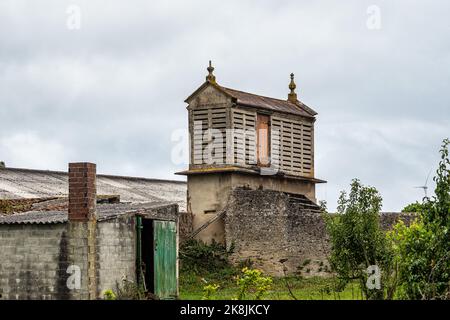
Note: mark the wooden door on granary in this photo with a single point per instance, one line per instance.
(263, 137)
(165, 259)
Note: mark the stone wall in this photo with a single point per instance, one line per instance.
(185, 223)
(389, 219)
(268, 226)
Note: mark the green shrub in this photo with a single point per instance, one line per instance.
(209, 290)
(109, 295)
(253, 282)
(211, 261)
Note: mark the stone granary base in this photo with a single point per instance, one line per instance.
(268, 226)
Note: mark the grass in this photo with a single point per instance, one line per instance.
(203, 264)
(315, 288)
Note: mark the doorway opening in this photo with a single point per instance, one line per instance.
(147, 254)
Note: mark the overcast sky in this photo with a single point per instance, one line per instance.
(112, 90)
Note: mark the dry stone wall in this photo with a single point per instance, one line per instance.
(267, 227)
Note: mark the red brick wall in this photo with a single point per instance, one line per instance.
(82, 191)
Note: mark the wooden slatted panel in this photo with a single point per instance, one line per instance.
(200, 118)
(211, 118)
(294, 146)
(219, 124)
(244, 137)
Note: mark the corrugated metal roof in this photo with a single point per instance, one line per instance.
(35, 217)
(25, 183)
(104, 212)
(257, 101)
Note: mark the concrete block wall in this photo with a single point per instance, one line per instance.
(35, 259)
(116, 249)
(29, 261)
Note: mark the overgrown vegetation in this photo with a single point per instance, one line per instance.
(314, 288)
(208, 261)
(205, 273)
(208, 264)
(127, 290)
(414, 260)
(422, 250)
(8, 206)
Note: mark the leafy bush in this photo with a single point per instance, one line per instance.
(109, 295)
(253, 281)
(209, 290)
(199, 258)
(413, 207)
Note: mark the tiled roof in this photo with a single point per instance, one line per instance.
(254, 100)
(26, 183)
(257, 101)
(104, 212)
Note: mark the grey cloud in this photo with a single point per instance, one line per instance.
(112, 92)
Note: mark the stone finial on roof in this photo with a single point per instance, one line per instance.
(292, 96)
(210, 77)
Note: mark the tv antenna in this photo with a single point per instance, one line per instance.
(425, 186)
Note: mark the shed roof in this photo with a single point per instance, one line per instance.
(25, 183)
(104, 212)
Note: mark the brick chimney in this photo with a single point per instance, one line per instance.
(82, 191)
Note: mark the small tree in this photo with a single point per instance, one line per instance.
(423, 249)
(356, 239)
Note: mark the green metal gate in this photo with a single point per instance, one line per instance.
(165, 259)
